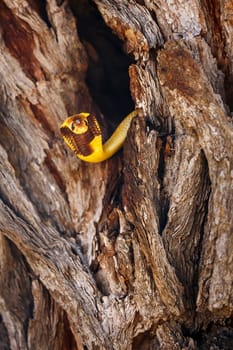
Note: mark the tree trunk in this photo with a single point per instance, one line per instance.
(136, 252)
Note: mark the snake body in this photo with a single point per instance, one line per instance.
(83, 135)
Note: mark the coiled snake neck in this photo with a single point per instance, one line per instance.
(83, 135)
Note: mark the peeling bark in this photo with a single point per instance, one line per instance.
(135, 252)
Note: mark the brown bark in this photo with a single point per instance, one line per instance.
(135, 252)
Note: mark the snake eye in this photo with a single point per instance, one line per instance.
(85, 121)
(75, 123)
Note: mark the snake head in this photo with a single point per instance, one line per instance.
(78, 131)
(77, 123)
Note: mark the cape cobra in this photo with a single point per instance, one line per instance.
(83, 135)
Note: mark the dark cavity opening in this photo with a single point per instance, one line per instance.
(107, 76)
(229, 90)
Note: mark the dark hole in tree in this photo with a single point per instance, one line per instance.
(229, 90)
(107, 76)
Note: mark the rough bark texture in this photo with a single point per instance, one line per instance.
(136, 252)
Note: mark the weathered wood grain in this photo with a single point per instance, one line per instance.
(204, 113)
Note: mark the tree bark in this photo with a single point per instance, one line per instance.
(136, 252)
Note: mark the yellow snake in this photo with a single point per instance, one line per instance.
(82, 134)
